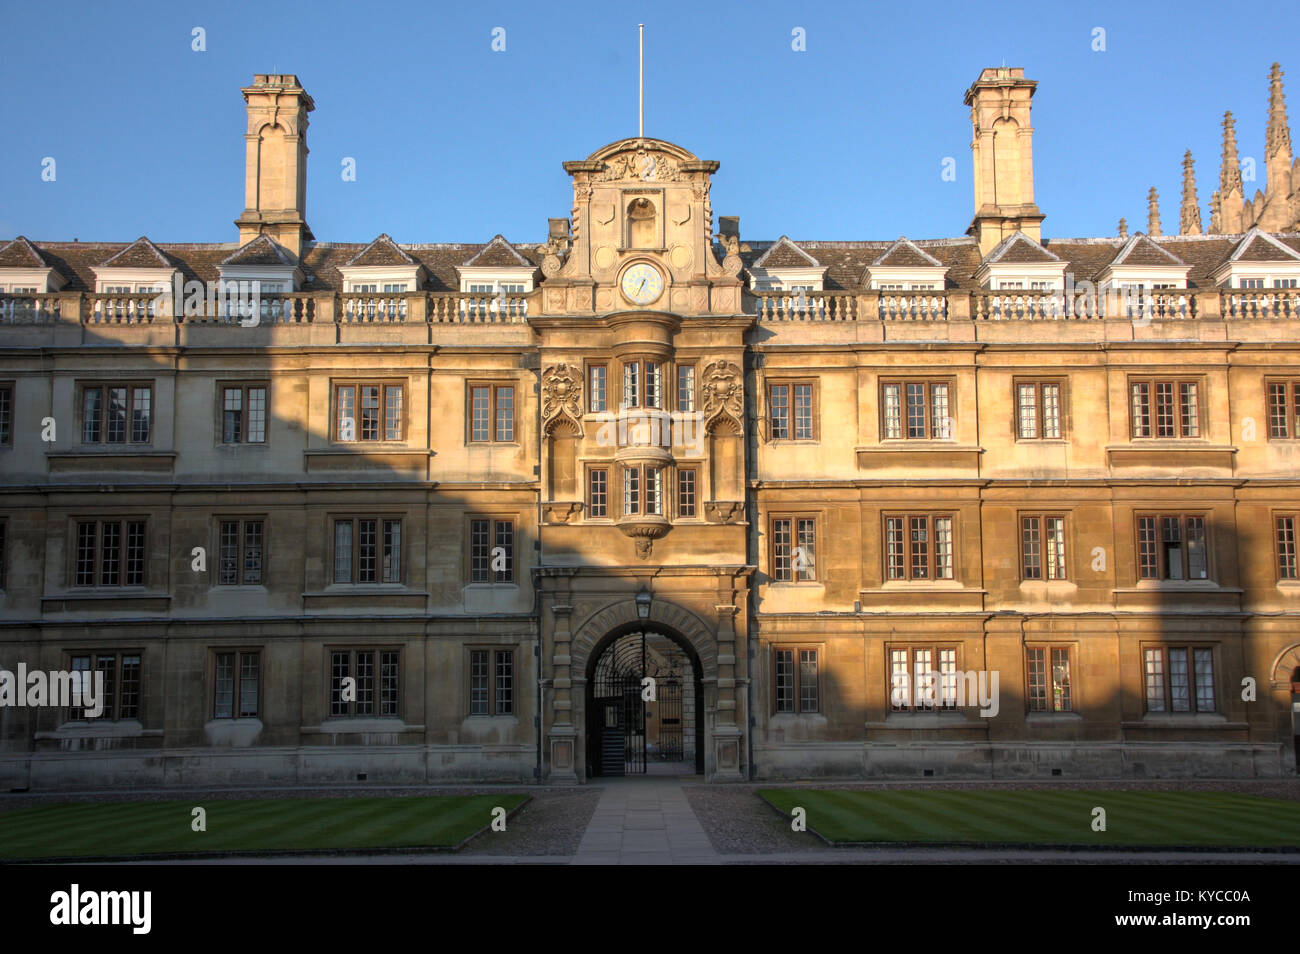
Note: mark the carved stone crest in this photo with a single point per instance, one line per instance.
(644, 164)
(723, 395)
(561, 399)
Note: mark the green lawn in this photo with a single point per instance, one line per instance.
(293, 824)
(1044, 817)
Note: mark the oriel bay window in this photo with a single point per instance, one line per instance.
(686, 387)
(922, 678)
(1038, 410)
(1283, 410)
(1042, 547)
(368, 412)
(110, 553)
(121, 674)
(1172, 548)
(597, 388)
(916, 410)
(236, 678)
(491, 550)
(919, 547)
(1049, 689)
(794, 680)
(790, 411)
(364, 682)
(491, 682)
(116, 413)
(643, 384)
(240, 549)
(492, 413)
(367, 550)
(794, 549)
(1179, 679)
(1162, 407)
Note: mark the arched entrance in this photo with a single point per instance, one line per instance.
(644, 704)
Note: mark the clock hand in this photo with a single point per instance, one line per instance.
(641, 286)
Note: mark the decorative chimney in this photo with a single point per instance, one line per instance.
(1002, 146)
(275, 165)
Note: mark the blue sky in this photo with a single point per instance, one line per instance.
(454, 142)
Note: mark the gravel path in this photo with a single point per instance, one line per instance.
(551, 824)
(738, 822)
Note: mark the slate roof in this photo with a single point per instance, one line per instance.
(845, 262)
(1257, 246)
(139, 254)
(262, 250)
(498, 253)
(785, 254)
(1019, 249)
(1142, 250)
(904, 253)
(382, 251)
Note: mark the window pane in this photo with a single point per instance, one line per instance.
(781, 556)
(79, 664)
(110, 554)
(480, 548)
(1204, 659)
(505, 414)
(225, 686)
(370, 413)
(686, 493)
(1037, 680)
(340, 664)
(347, 413)
(116, 416)
(686, 388)
(784, 680)
(1155, 673)
(505, 687)
(943, 548)
(232, 416)
(228, 556)
(388, 683)
(365, 704)
(1031, 548)
(392, 551)
(342, 551)
(107, 665)
(1278, 419)
(948, 678)
(130, 704)
(135, 553)
(596, 392)
(1178, 675)
(631, 490)
(6, 415)
(1164, 409)
(893, 411)
(91, 409)
(1172, 541)
(900, 694)
(940, 415)
(480, 426)
(598, 493)
(920, 533)
(505, 546)
(1197, 563)
(86, 554)
(478, 682)
(392, 412)
(1147, 559)
(1191, 410)
(1051, 411)
(895, 567)
(367, 550)
(248, 688)
(1061, 680)
(915, 410)
(807, 680)
(632, 384)
(1054, 539)
(923, 679)
(252, 552)
(1141, 409)
(141, 414)
(257, 415)
(653, 384)
(780, 407)
(803, 414)
(1027, 410)
(1286, 548)
(808, 549)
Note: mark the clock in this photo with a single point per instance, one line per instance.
(642, 284)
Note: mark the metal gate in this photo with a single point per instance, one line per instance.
(617, 698)
(668, 746)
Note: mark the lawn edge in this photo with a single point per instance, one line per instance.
(1034, 845)
(269, 853)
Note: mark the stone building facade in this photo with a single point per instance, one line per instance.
(985, 506)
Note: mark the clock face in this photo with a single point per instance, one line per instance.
(642, 284)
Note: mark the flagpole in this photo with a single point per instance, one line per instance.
(640, 89)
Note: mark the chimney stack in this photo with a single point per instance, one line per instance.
(1002, 146)
(275, 164)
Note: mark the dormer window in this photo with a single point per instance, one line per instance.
(785, 267)
(1019, 263)
(903, 267)
(1260, 261)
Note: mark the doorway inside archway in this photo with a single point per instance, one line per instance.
(645, 700)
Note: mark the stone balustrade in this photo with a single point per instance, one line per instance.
(805, 306)
(912, 307)
(1281, 303)
(29, 309)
